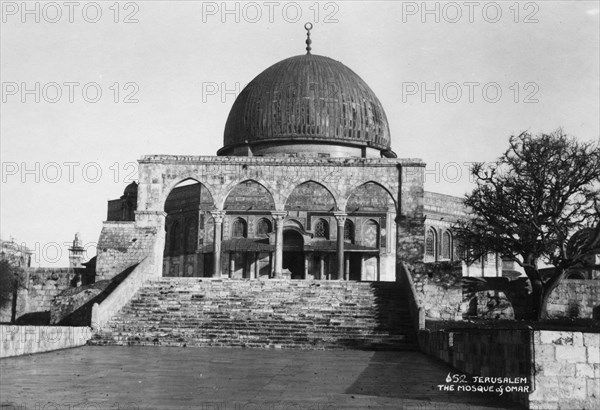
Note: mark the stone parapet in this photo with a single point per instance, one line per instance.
(21, 340)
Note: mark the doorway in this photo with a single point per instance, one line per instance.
(293, 253)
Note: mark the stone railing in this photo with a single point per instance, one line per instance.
(105, 310)
(21, 340)
(417, 313)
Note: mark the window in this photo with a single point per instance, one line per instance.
(446, 245)
(348, 231)
(371, 234)
(321, 229)
(238, 228)
(263, 227)
(430, 245)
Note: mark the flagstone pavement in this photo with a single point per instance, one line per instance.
(127, 378)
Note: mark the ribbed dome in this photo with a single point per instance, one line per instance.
(307, 99)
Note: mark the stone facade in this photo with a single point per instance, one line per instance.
(378, 203)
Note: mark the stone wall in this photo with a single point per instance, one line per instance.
(34, 298)
(572, 298)
(485, 353)
(21, 340)
(121, 245)
(575, 298)
(446, 205)
(439, 289)
(567, 370)
(561, 369)
(68, 302)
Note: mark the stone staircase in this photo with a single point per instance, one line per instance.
(265, 314)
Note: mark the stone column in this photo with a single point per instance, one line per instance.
(306, 273)
(341, 218)
(256, 264)
(322, 267)
(278, 217)
(231, 264)
(362, 268)
(347, 268)
(218, 220)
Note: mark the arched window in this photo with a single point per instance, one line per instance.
(238, 228)
(446, 245)
(371, 234)
(263, 227)
(430, 243)
(321, 229)
(349, 231)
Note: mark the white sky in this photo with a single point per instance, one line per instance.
(178, 49)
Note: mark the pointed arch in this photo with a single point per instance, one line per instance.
(239, 228)
(189, 193)
(310, 195)
(208, 192)
(249, 194)
(293, 223)
(321, 229)
(370, 196)
(263, 227)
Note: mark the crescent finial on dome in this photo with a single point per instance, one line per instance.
(308, 27)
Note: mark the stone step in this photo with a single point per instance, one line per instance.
(266, 314)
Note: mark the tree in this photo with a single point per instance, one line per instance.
(11, 277)
(528, 204)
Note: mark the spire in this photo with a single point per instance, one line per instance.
(308, 27)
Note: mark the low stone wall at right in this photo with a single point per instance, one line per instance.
(545, 369)
(567, 370)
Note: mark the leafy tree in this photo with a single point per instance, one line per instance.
(10, 279)
(527, 205)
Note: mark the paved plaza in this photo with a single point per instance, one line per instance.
(229, 379)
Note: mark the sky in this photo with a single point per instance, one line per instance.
(90, 87)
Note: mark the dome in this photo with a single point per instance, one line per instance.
(131, 189)
(307, 105)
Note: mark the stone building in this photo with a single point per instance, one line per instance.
(15, 253)
(306, 186)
